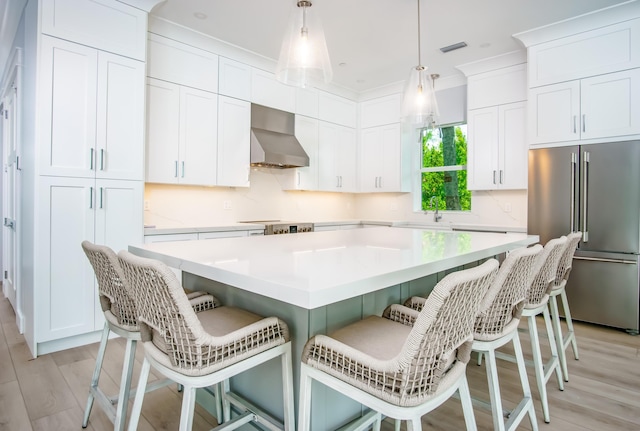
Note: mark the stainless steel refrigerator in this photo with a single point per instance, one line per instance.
(594, 189)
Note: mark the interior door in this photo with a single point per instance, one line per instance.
(9, 195)
(610, 204)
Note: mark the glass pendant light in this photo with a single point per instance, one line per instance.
(304, 58)
(419, 105)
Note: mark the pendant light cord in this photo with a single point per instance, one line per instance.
(419, 56)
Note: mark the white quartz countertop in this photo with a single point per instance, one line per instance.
(314, 269)
(224, 227)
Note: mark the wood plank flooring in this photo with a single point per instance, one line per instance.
(49, 393)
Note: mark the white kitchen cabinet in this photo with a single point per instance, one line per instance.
(183, 64)
(380, 159)
(182, 133)
(306, 178)
(74, 209)
(307, 102)
(592, 108)
(234, 139)
(336, 109)
(266, 90)
(92, 23)
(234, 79)
(336, 157)
(93, 125)
(380, 111)
(588, 53)
(497, 147)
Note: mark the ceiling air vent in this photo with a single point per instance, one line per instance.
(453, 47)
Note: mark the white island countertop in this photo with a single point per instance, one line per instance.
(314, 269)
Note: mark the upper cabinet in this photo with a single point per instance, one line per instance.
(380, 157)
(596, 52)
(94, 123)
(107, 25)
(336, 158)
(182, 134)
(306, 178)
(267, 91)
(307, 102)
(599, 107)
(336, 109)
(584, 78)
(380, 111)
(182, 64)
(234, 135)
(234, 79)
(496, 124)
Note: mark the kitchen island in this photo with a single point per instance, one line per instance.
(320, 281)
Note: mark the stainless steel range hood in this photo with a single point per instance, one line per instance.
(273, 143)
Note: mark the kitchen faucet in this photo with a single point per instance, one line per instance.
(436, 216)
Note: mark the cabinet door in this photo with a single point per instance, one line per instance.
(328, 136)
(68, 108)
(65, 291)
(380, 111)
(306, 130)
(512, 146)
(336, 109)
(390, 162)
(198, 137)
(120, 114)
(609, 105)
(119, 213)
(347, 159)
(163, 119)
(234, 138)
(370, 156)
(234, 79)
(554, 113)
(482, 155)
(267, 91)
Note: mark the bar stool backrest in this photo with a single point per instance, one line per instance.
(507, 295)
(545, 271)
(443, 331)
(566, 260)
(111, 285)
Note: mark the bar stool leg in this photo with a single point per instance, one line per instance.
(557, 329)
(188, 406)
(537, 364)
(287, 389)
(524, 380)
(140, 391)
(571, 336)
(304, 406)
(96, 374)
(467, 405)
(125, 385)
(494, 390)
(555, 361)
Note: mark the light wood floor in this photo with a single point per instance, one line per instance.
(49, 393)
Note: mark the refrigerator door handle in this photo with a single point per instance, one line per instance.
(572, 212)
(585, 191)
(600, 259)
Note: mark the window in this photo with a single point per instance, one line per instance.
(444, 169)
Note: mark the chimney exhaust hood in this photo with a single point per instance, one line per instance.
(273, 143)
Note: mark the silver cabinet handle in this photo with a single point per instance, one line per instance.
(337, 181)
(584, 123)
(176, 169)
(380, 182)
(574, 124)
(90, 198)
(599, 259)
(91, 158)
(101, 190)
(494, 177)
(585, 190)
(102, 159)
(572, 212)
(500, 176)
(182, 176)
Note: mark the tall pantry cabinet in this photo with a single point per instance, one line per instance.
(89, 157)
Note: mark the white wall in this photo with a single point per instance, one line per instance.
(176, 206)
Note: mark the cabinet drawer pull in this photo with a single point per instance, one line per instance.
(176, 169)
(101, 189)
(574, 125)
(102, 159)
(494, 177)
(91, 159)
(90, 198)
(500, 176)
(182, 170)
(584, 123)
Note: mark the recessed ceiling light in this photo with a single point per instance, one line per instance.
(360, 81)
(453, 47)
(485, 45)
(200, 15)
(342, 64)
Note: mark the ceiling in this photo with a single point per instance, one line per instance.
(374, 42)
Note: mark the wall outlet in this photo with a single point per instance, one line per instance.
(507, 207)
(146, 205)
(226, 205)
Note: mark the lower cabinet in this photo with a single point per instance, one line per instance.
(71, 210)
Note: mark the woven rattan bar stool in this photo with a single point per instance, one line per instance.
(559, 289)
(204, 349)
(537, 301)
(405, 364)
(496, 325)
(120, 318)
